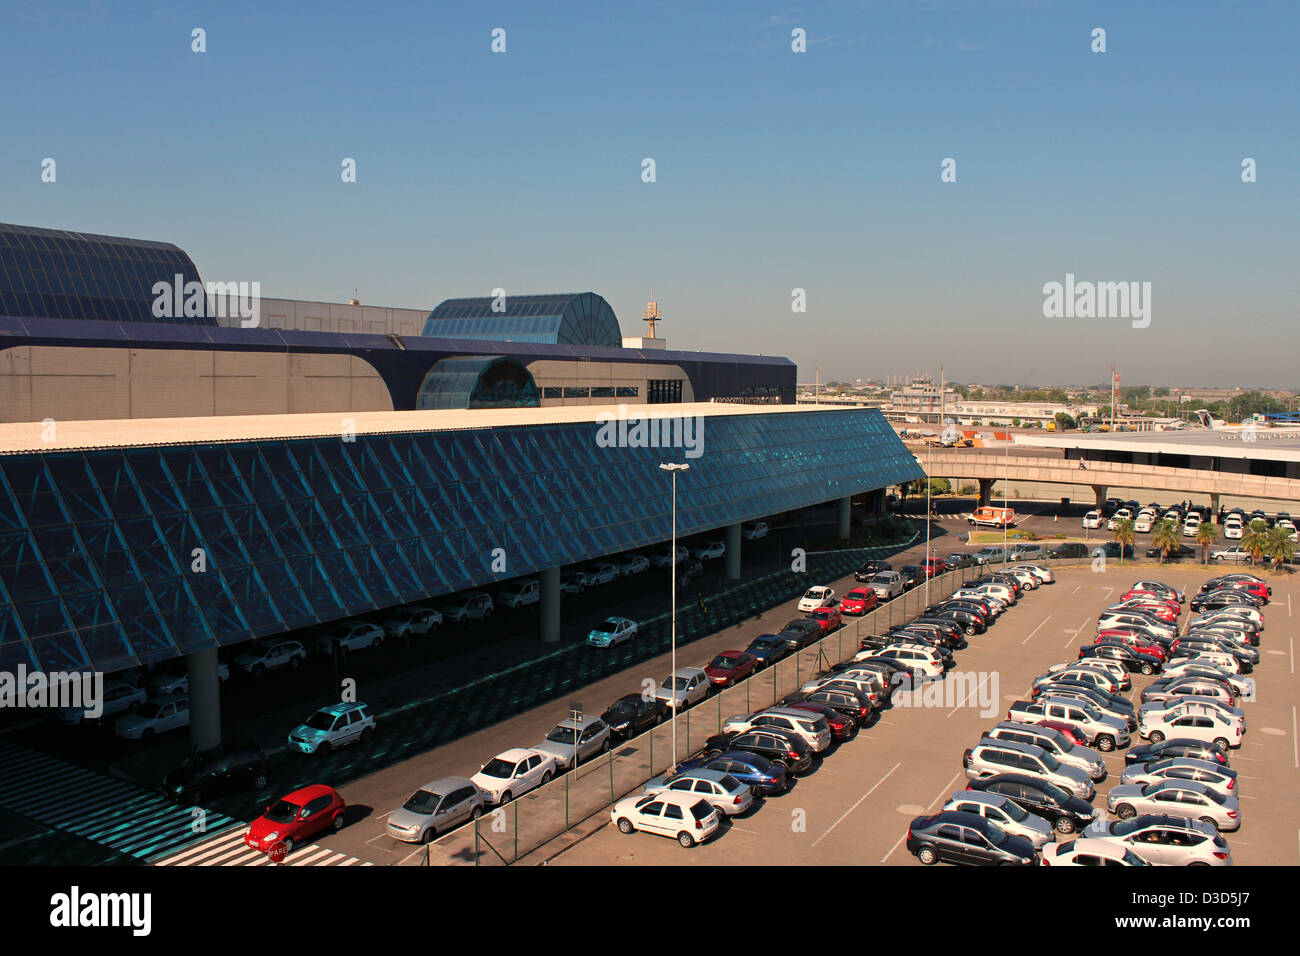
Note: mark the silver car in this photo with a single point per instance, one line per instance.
(1003, 811)
(684, 687)
(722, 791)
(1179, 797)
(812, 728)
(1055, 743)
(587, 737)
(990, 757)
(435, 808)
(1214, 775)
(1166, 840)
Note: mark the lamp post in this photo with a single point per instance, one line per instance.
(1006, 470)
(673, 469)
(929, 509)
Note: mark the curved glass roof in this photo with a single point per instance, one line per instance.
(56, 274)
(582, 318)
(478, 381)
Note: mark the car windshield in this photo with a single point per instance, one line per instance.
(677, 683)
(150, 710)
(497, 767)
(608, 627)
(622, 708)
(1051, 763)
(722, 662)
(422, 801)
(881, 578)
(1015, 811)
(766, 643)
(562, 735)
(282, 812)
(814, 593)
(321, 720)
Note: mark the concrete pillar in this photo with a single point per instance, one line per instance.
(205, 699)
(986, 489)
(551, 605)
(1100, 492)
(733, 552)
(1214, 508)
(844, 527)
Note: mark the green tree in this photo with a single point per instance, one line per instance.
(1206, 535)
(1279, 547)
(1064, 421)
(1165, 537)
(1124, 534)
(1255, 540)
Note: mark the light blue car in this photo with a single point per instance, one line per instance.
(613, 631)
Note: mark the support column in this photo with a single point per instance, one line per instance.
(1100, 492)
(550, 610)
(205, 699)
(876, 503)
(844, 515)
(733, 552)
(1214, 508)
(986, 489)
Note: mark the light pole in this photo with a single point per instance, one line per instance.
(673, 469)
(1006, 471)
(928, 511)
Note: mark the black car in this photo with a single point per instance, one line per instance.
(843, 700)
(958, 560)
(236, 769)
(1111, 550)
(870, 569)
(968, 838)
(1006, 580)
(1115, 650)
(949, 631)
(633, 714)
(780, 747)
(768, 648)
(1223, 597)
(1071, 549)
(913, 574)
(1176, 747)
(1177, 554)
(1062, 810)
(688, 571)
(801, 632)
(971, 619)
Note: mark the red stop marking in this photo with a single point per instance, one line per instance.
(277, 853)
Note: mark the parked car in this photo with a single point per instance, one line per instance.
(781, 748)
(295, 818)
(260, 658)
(828, 617)
(513, 773)
(763, 776)
(521, 594)
(633, 714)
(1004, 812)
(687, 818)
(990, 757)
(816, 597)
(730, 667)
(1165, 839)
(811, 728)
(688, 571)
(966, 838)
(117, 698)
(725, 793)
(754, 530)
(870, 570)
(1092, 520)
(663, 557)
(332, 727)
(1065, 812)
(934, 566)
(859, 601)
(156, 716)
(572, 741)
(601, 572)
(1215, 728)
(913, 574)
(406, 621)
(801, 632)
(887, 584)
(1089, 852)
(175, 681)
(684, 687)
(437, 807)
(1070, 549)
(574, 581)
(768, 649)
(351, 635)
(1216, 776)
(632, 563)
(611, 631)
(232, 770)
(1184, 797)
(709, 550)
(1111, 549)
(1177, 747)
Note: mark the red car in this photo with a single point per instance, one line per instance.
(842, 728)
(729, 667)
(1146, 594)
(1133, 641)
(296, 818)
(934, 566)
(859, 601)
(1164, 612)
(1256, 590)
(827, 617)
(1072, 733)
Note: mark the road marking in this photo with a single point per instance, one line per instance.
(1107, 594)
(1292, 644)
(1288, 605)
(1295, 744)
(962, 702)
(1076, 633)
(893, 848)
(859, 800)
(1036, 630)
(947, 789)
(742, 830)
(1076, 589)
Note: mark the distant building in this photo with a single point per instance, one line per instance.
(921, 401)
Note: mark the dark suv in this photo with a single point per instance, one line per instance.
(780, 747)
(801, 632)
(1065, 812)
(236, 769)
(633, 714)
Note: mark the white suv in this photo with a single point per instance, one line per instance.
(332, 727)
(473, 607)
(1092, 520)
(810, 727)
(351, 636)
(259, 659)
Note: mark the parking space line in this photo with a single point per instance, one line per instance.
(859, 800)
(1295, 744)
(893, 848)
(947, 789)
(1036, 630)
(961, 703)
(1076, 589)
(1077, 630)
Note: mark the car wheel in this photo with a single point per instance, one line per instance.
(476, 813)
(288, 846)
(685, 839)
(260, 782)
(1210, 821)
(1198, 863)
(604, 747)
(1156, 736)
(1221, 743)
(970, 631)
(135, 705)
(506, 797)
(367, 734)
(625, 825)
(546, 778)
(325, 748)
(376, 642)
(337, 822)
(429, 835)
(1125, 811)
(1105, 743)
(148, 734)
(294, 662)
(927, 855)
(259, 671)
(1147, 670)
(1064, 825)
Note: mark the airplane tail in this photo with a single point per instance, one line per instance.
(1203, 414)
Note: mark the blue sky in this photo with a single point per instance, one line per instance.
(775, 170)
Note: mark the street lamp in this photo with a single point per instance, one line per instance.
(673, 469)
(929, 509)
(1006, 469)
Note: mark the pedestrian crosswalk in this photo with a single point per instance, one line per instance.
(130, 819)
(228, 849)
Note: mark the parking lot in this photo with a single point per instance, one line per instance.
(856, 806)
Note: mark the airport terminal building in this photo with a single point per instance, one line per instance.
(324, 472)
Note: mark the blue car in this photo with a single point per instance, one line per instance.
(760, 773)
(768, 648)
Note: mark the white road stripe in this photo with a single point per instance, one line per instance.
(1036, 630)
(859, 800)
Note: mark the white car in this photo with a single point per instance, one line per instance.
(631, 564)
(1043, 574)
(1236, 554)
(684, 687)
(412, 620)
(1191, 525)
(925, 662)
(1092, 520)
(1250, 614)
(260, 658)
(513, 773)
(810, 727)
(1180, 797)
(1117, 671)
(574, 582)
(1083, 675)
(472, 607)
(815, 598)
(173, 682)
(1233, 528)
(1144, 522)
(601, 573)
(723, 791)
(1122, 515)
(614, 630)
(155, 717)
(588, 737)
(754, 530)
(1217, 777)
(687, 818)
(1087, 851)
(663, 558)
(523, 593)
(1207, 727)
(118, 697)
(332, 727)
(1003, 811)
(1165, 840)
(351, 636)
(710, 549)
(1242, 686)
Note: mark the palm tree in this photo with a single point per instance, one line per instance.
(1124, 534)
(1255, 540)
(1206, 535)
(1279, 547)
(1165, 537)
